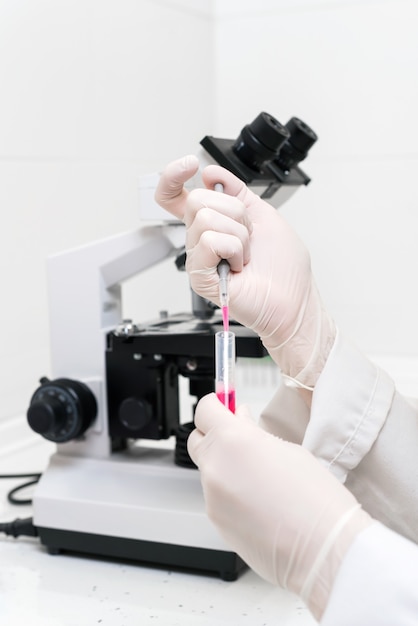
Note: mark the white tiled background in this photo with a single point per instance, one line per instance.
(95, 93)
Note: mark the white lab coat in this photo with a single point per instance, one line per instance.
(366, 433)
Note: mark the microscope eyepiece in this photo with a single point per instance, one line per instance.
(300, 141)
(266, 155)
(260, 141)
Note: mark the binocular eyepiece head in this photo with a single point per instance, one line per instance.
(266, 155)
(267, 140)
(260, 141)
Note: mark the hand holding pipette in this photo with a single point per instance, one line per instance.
(274, 290)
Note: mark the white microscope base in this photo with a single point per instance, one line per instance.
(134, 505)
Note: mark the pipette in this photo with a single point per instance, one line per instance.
(223, 271)
(224, 340)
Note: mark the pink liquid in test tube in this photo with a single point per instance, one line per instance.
(227, 399)
(225, 368)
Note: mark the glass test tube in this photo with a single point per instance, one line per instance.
(225, 368)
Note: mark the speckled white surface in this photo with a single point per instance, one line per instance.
(67, 590)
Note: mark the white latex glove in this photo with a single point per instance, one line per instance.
(272, 290)
(276, 506)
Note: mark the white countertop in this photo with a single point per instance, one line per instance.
(66, 590)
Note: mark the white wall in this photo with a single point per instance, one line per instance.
(350, 70)
(94, 93)
(97, 92)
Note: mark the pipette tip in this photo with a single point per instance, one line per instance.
(223, 271)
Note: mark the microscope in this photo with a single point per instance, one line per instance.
(115, 486)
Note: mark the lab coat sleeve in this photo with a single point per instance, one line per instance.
(350, 404)
(287, 415)
(366, 433)
(377, 583)
(360, 428)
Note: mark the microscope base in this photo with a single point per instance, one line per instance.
(226, 565)
(135, 505)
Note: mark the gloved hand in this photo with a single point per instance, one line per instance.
(276, 506)
(272, 290)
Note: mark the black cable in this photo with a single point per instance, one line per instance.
(19, 527)
(17, 501)
(12, 492)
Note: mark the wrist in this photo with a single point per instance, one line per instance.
(302, 357)
(319, 582)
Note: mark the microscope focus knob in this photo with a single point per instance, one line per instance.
(62, 409)
(135, 413)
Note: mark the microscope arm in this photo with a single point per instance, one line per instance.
(84, 288)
